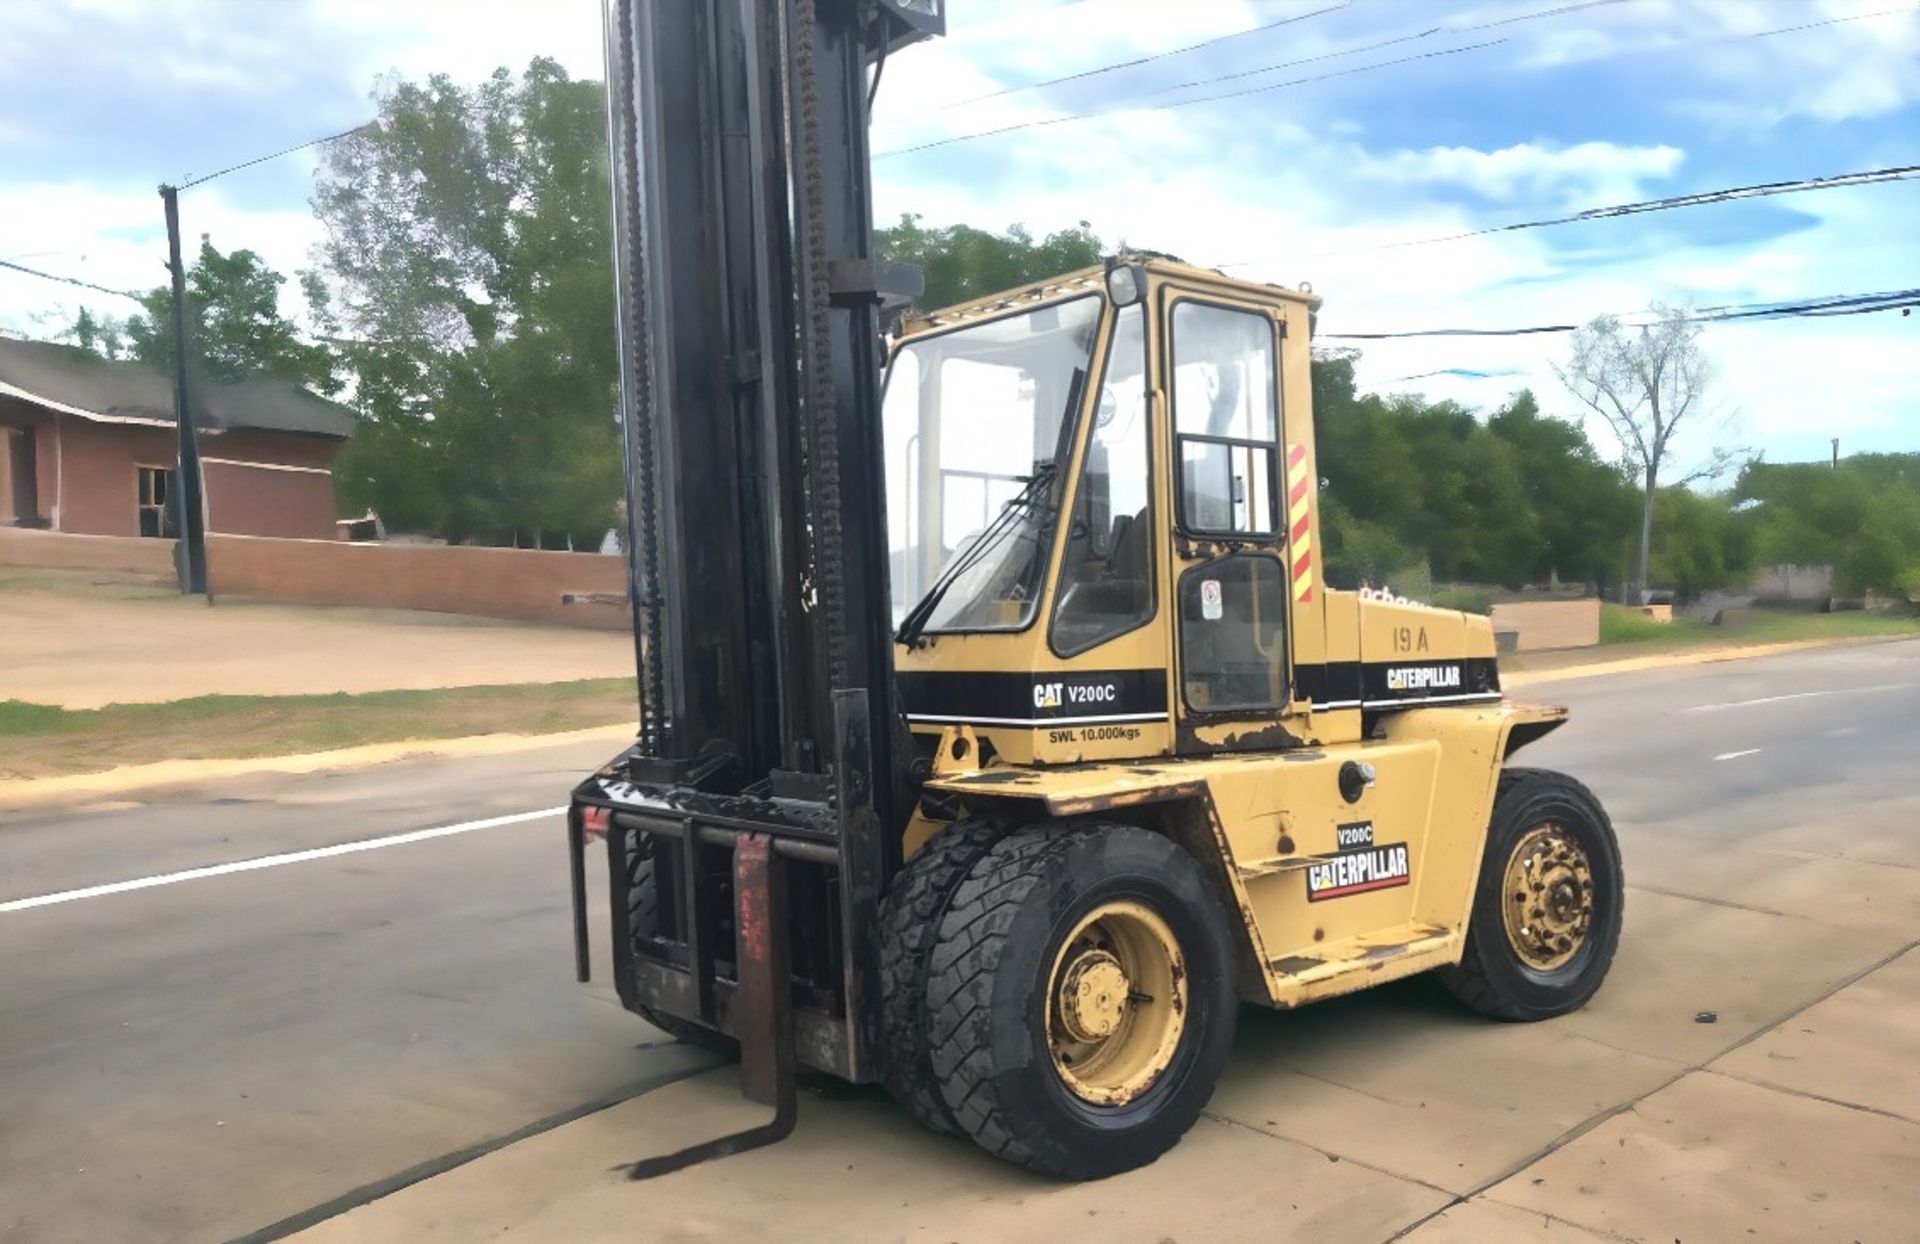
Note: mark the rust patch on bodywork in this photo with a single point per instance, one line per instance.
(1295, 963)
(1087, 804)
(1190, 737)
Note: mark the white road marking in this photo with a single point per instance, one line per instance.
(1736, 755)
(274, 861)
(1802, 695)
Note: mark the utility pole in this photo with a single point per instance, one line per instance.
(190, 550)
(1836, 453)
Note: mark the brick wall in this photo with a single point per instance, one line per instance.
(512, 584)
(113, 555)
(518, 584)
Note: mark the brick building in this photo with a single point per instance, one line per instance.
(88, 446)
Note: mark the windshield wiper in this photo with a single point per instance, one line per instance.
(915, 623)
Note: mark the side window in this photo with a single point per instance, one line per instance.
(1106, 576)
(1226, 419)
(1232, 634)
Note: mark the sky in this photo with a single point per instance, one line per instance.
(1350, 130)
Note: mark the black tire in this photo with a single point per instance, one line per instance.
(643, 924)
(987, 993)
(909, 918)
(1491, 977)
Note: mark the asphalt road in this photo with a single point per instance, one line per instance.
(201, 1059)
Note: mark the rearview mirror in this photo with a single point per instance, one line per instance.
(1126, 283)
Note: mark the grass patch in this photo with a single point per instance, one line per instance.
(1621, 625)
(1466, 599)
(43, 740)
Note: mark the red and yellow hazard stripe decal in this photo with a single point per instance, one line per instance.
(1299, 517)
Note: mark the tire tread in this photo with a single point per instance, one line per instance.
(959, 978)
(910, 918)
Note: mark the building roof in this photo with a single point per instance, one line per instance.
(74, 382)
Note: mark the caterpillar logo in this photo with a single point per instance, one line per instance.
(1359, 867)
(1423, 677)
(1055, 694)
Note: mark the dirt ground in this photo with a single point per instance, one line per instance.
(82, 645)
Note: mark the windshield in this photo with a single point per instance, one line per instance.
(977, 425)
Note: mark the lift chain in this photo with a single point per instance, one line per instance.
(643, 492)
(829, 554)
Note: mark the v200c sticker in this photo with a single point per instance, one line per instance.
(1359, 866)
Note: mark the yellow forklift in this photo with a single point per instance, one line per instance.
(1000, 732)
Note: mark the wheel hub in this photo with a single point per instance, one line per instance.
(1547, 902)
(1116, 1003)
(1093, 996)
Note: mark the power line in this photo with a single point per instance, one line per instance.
(1825, 305)
(1408, 38)
(69, 280)
(1831, 21)
(1904, 172)
(1061, 120)
(1544, 13)
(1182, 103)
(313, 142)
(1129, 64)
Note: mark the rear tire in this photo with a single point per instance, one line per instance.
(643, 926)
(909, 919)
(1547, 828)
(1123, 920)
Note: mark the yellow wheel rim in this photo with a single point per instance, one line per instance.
(1547, 903)
(1116, 1003)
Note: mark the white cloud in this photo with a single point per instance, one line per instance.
(117, 238)
(1582, 174)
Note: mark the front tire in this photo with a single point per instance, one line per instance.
(909, 921)
(1081, 998)
(1548, 906)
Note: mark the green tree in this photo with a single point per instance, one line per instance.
(1585, 507)
(98, 335)
(961, 262)
(1402, 473)
(233, 309)
(1699, 542)
(466, 266)
(1861, 517)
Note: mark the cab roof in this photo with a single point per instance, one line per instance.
(1090, 280)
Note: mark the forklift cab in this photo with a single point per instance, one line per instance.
(1100, 505)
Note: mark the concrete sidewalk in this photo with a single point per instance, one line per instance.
(1804, 1130)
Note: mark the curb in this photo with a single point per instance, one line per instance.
(1710, 656)
(126, 779)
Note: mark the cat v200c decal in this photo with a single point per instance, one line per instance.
(1358, 867)
(1001, 698)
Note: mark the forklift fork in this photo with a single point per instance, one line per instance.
(760, 1005)
(764, 1006)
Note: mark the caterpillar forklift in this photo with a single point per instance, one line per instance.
(1000, 734)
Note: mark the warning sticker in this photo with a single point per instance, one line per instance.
(1212, 607)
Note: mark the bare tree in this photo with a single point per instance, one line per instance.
(1645, 384)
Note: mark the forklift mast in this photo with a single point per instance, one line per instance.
(744, 829)
(751, 361)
